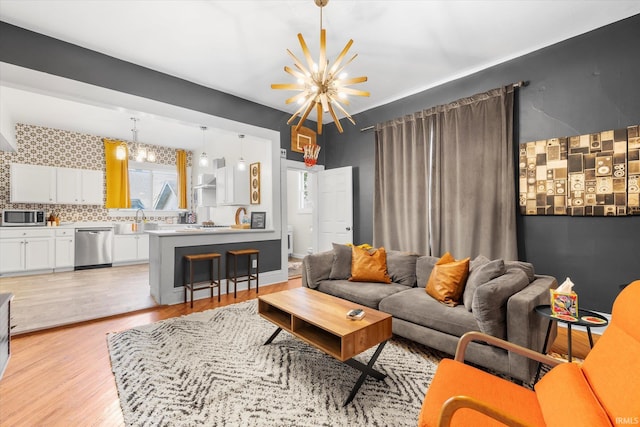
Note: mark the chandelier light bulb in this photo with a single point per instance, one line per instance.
(121, 152)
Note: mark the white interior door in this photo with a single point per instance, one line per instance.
(335, 207)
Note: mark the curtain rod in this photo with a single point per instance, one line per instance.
(521, 83)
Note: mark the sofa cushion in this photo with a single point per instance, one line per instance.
(447, 280)
(369, 265)
(479, 273)
(564, 391)
(489, 305)
(401, 267)
(521, 265)
(424, 266)
(415, 306)
(365, 293)
(341, 268)
(317, 268)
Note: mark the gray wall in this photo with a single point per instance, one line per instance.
(583, 85)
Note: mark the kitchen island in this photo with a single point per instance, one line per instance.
(167, 248)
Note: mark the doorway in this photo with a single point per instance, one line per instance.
(300, 214)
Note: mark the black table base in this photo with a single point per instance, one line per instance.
(367, 370)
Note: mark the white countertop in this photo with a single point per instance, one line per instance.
(204, 230)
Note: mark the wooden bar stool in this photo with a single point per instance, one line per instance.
(234, 278)
(213, 283)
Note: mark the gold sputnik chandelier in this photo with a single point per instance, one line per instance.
(321, 86)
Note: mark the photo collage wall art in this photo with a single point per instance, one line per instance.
(585, 175)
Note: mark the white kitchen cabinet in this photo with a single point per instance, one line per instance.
(232, 186)
(32, 183)
(12, 258)
(65, 248)
(26, 250)
(48, 184)
(92, 188)
(79, 186)
(130, 247)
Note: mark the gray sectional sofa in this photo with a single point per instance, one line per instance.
(499, 299)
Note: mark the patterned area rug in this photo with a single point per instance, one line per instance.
(212, 369)
(295, 269)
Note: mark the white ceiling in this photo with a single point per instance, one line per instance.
(239, 47)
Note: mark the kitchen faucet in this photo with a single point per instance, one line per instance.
(144, 218)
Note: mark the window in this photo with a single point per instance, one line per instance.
(304, 192)
(153, 187)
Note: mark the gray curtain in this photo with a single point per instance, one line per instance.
(459, 193)
(400, 200)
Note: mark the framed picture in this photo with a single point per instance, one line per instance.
(301, 137)
(254, 183)
(258, 219)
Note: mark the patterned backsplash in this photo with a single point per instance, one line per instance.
(53, 147)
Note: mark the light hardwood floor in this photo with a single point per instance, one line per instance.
(48, 300)
(62, 376)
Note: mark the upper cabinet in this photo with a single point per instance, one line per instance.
(79, 186)
(47, 184)
(33, 184)
(232, 186)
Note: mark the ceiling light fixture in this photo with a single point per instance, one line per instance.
(142, 153)
(204, 160)
(242, 165)
(321, 86)
(121, 151)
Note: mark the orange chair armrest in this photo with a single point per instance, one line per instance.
(497, 342)
(458, 402)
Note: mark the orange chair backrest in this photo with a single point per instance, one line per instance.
(612, 368)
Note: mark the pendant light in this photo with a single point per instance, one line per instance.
(142, 153)
(242, 165)
(322, 87)
(121, 151)
(204, 160)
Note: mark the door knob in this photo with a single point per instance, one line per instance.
(348, 228)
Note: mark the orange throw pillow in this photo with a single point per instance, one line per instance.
(369, 265)
(447, 280)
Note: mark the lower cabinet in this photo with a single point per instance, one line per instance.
(65, 249)
(130, 248)
(24, 251)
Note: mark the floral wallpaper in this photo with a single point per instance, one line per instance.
(54, 147)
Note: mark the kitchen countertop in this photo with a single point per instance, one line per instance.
(204, 230)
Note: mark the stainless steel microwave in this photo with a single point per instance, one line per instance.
(23, 218)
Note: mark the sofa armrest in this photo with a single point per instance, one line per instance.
(524, 326)
(459, 402)
(315, 268)
(506, 345)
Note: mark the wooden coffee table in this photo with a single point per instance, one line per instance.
(320, 320)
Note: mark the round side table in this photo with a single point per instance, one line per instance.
(588, 319)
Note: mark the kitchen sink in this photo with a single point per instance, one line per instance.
(134, 228)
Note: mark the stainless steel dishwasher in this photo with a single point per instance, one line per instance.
(94, 247)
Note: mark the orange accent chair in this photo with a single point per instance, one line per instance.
(604, 390)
